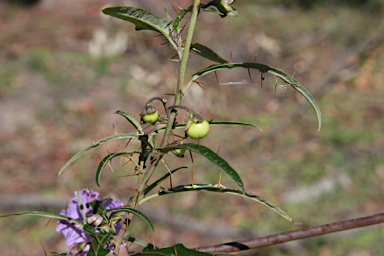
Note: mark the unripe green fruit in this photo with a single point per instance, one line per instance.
(150, 117)
(180, 152)
(198, 130)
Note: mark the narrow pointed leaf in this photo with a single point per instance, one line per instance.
(264, 68)
(166, 11)
(108, 158)
(182, 13)
(207, 53)
(51, 215)
(135, 240)
(131, 118)
(98, 143)
(180, 16)
(97, 245)
(223, 123)
(157, 182)
(218, 123)
(135, 212)
(98, 250)
(143, 20)
(221, 189)
(211, 156)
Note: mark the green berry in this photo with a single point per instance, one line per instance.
(150, 117)
(198, 130)
(180, 152)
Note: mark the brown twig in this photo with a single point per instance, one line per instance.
(295, 235)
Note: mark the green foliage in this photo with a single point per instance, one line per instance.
(51, 215)
(264, 68)
(130, 210)
(211, 156)
(157, 182)
(131, 118)
(224, 7)
(143, 19)
(220, 189)
(98, 143)
(108, 158)
(149, 155)
(97, 245)
(207, 53)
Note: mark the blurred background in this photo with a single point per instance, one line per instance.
(65, 69)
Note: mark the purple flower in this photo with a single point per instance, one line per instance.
(79, 240)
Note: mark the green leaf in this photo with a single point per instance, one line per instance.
(128, 238)
(222, 189)
(131, 118)
(98, 143)
(150, 254)
(264, 68)
(157, 182)
(211, 156)
(166, 11)
(99, 249)
(133, 211)
(207, 53)
(44, 214)
(178, 249)
(221, 6)
(143, 20)
(98, 243)
(180, 16)
(108, 158)
(219, 123)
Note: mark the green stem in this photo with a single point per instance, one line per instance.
(183, 66)
(125, 222)
(187, 87)
(147, 198)
(184, 60)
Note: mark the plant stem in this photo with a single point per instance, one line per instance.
(185, 55)
(183, 66)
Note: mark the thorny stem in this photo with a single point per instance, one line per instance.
(127, 220)
(183, 66)
(185, 55)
